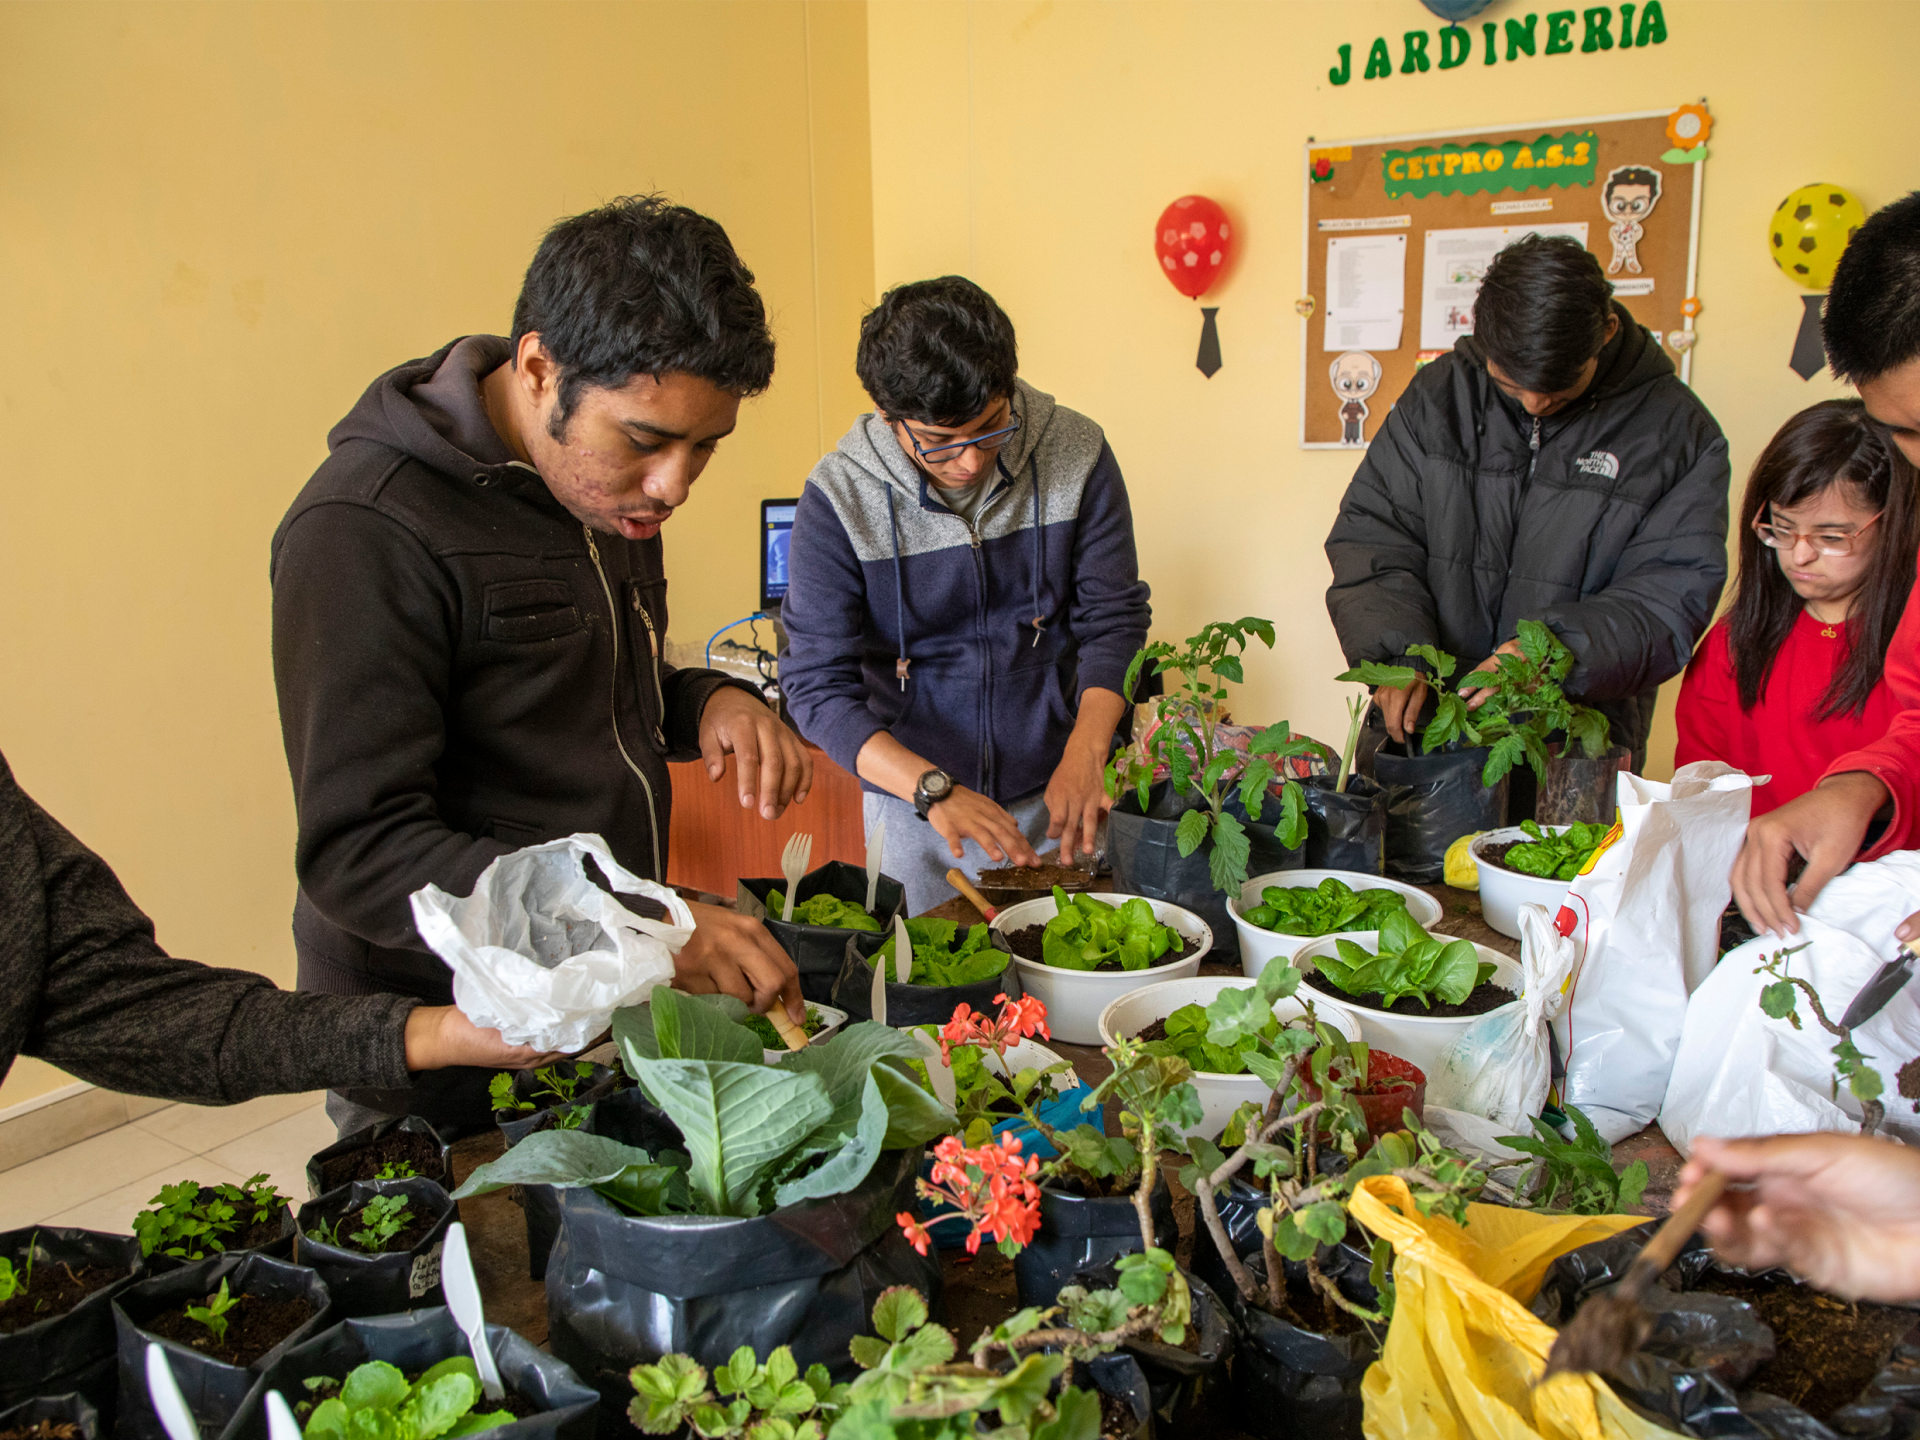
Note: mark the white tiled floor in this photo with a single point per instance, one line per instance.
(102, 1183)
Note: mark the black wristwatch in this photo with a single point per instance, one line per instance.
(934, 786)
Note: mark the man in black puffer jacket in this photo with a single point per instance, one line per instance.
(1552, 468)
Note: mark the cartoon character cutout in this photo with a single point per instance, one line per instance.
(1355, 375)
(1628, 197)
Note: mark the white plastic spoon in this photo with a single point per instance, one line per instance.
(939, 1073)
(280, 1422)
(175, 1418)
(876, 842)
(463, 1299)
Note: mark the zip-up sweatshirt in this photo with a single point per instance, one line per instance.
(463, 670)
(999, 624)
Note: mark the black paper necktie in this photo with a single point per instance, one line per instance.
(1208, 360)
(1809, 352)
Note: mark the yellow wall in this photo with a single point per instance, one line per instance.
(1032, 145)
(220, 222)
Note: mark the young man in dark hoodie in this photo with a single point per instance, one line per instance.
(1553, 468)
(469, 613)
(964, 597)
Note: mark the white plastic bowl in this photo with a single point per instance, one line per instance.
(1258, 946)
(1503, 891)
(1419, 1039)
(1075, 998)
(830, 1022)
(1220, 1095)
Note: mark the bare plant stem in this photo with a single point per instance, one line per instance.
(1332, 1293)
(1149, 1172)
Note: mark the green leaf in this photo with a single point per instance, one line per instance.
(436, 1406)
(702, 1027)
(868, 1351)
(899, 1310)
(1191, 831)
(1375, 673)
(739, 1121)
(1076, 1417)
(554, 1157)
(1227, 862)
(328, 1421)
(850, 1156)
(374, 1385)
(1779, 1000)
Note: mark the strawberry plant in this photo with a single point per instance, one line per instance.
(773, 1401)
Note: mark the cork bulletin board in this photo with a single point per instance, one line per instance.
(1400, 229)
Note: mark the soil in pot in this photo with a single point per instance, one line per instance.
(254, 1326)
(513, 1402)
(1116, 1418)
(254, 1236)
(422, 1221)
(66, 1430)
(1038, 879)
(1026, 943)
(1826, 1351)
(56, 1290)
(396, 1146)
(1486, 996)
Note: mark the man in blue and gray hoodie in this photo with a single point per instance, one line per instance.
(964, 598)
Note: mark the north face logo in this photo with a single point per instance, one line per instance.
(1600, 462)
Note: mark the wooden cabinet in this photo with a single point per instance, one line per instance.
(715, 841)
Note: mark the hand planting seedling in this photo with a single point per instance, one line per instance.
(829, 910)
(1522, 706)
(189, 1223)
(774, 1401)
(1321, 910)
(1409, 962)
(938, 962)
(1202, 771)
(1577, 1177)
(558, 1083)
(770, 1038)
(1554, 856)
(1850, 1067)
(1089, 934)
(375, 1400)
(213, 1314)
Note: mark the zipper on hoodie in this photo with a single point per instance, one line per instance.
(659, 690)
(1533, 446)
(613, 699)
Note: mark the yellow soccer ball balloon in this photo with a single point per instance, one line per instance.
(1810, 229)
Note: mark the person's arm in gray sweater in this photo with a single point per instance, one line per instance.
(85, 986)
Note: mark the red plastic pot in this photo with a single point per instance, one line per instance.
(1380, 1103)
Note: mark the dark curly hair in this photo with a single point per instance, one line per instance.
(1872, 320)
(936, 351)
(643, 287)
(1543, 311)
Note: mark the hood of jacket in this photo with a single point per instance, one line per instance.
(1631, 359)
(433, 411)
(871, 448)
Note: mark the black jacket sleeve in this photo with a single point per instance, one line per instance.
(87, 988)
(1379, 600)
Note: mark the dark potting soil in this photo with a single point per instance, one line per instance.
(44, 1430)
(1027, 945)
(409, 1146)
(1116, 1418)
(1825, 1351)
(56, 1290)
(1039, 879)
(1156, 1031)
(513, 1402)
(416, 1230)
(1307, 1308)
(253, 1236)
(1486, 996)
(254, 1326)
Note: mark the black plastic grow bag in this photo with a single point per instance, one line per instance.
(363, 1284)
(1120, 1377)
(56, 1355)
(599, 1082)
(1346, 829)
(1145, 854)
(1288, 1381)
(65, 1408)
(817, 950)
(623, 1290)
(1078, 1234)
(1184, 1385)
(539, 1202)
(417, 1342)
(1432, 801)
(412, 1124)
(909, 1005)
(212, 1389)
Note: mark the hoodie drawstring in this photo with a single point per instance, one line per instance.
(899, 592)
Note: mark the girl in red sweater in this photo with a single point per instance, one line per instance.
(1790, 678)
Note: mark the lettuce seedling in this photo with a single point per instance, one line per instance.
(828, 910)
(1089, 934)
(1321, 910)
(1409, 962)
(937, 961)
(773, 1401)
(375, 1400)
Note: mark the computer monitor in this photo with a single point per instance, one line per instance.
(776, 531)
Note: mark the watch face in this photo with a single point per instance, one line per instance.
(935, 784)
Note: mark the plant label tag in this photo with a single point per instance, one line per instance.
(425, 1274)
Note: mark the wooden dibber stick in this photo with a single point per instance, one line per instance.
(973, 896)
(1610, 1327)
(794, 1036)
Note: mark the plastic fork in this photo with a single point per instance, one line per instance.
(794, 862)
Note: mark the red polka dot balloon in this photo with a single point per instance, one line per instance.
(1193, 240)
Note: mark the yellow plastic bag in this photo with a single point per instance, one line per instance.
(1462, 1352)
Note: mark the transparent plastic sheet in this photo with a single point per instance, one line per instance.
(1462, 1353)
(363, 1284)
(910, 1005)
(1347, 829)
(49, 1357)
(1077, 1234)
(817, 950)
(1432, 801)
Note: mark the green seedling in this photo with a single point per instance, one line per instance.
(375, 1400)
(1089, 934)
(1408, 962)
(1554, 856)
(770, 1037)
(829, 910)
(558, 1085)
(939, 961)
(213, 1314)
(1850, 1068)
(1576, 1177)
(18, 1282)
(773, 1401)
(396, 1170)
(188, 1222)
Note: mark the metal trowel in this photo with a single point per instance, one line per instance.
(1886, 983)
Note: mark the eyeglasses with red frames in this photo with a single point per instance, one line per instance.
(1825, 541)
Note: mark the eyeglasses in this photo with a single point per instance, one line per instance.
(1825, 542)
(988, 444)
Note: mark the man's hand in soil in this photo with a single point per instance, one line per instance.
(733, 955)
(770, 765)
(1077, 792)
(969, 815)
(439, 1035)
(1400, 706)
(1826, 826)
(1484, 692)
(1840, 1211)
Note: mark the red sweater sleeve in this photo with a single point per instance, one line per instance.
(1709, 703)
(1895, 757)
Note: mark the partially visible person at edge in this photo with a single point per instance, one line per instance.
(469, 612)
(1868, 801)
(1790, 678)
(1553, 468)
(965, 597)
(85, 986)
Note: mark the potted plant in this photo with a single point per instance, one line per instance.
(1577, 1176)
(62, 1415)
(829, 902)
(56, 1316)
(1079, 953)
(1193, 838)
(377, 1244)
(221, 1321)
(1528, 864)
(1347, 811)
(189, 1221)
(821, 1024)
(382, 1147)
(528, 1100)
(945, 969)
(1277, 914)
(403, 1366)
(722, 1190)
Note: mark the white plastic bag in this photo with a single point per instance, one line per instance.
(541, 953)
(1646, 931)
(1501, 1066)
(1741, 1073)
